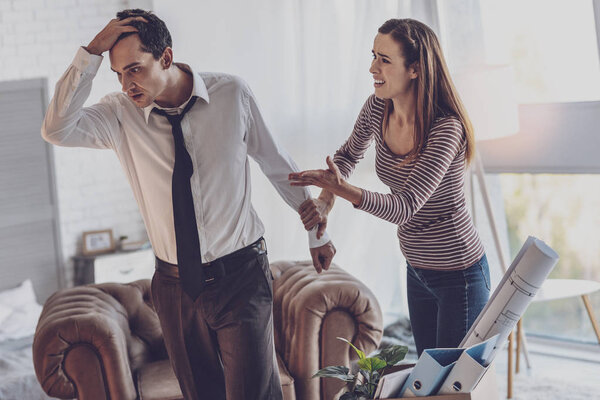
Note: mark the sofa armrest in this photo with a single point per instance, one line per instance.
(84, 347)
(310, 310)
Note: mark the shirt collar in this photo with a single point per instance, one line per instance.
(198, 90)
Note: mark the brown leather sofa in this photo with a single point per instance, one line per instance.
(103, 341)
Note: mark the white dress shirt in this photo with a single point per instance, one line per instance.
(222, 128)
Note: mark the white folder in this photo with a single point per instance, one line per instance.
(430, 372)
(470, 367)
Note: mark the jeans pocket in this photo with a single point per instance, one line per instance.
(485, 277)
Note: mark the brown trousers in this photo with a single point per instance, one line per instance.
(221, 345)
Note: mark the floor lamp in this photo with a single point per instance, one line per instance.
(488, 94)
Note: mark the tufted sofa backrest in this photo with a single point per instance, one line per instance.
(93, 313)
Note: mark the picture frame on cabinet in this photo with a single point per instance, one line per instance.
(97, 242)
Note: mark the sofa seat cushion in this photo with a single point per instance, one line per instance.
(157, 381)
(287, 382)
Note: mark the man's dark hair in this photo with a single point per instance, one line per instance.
(154, 35)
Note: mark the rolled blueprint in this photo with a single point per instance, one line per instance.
(515, 291)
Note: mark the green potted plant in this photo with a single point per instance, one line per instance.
(363, 385)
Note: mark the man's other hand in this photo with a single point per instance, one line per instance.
(322, 256)
(313, 212)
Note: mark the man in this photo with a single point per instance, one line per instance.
(183, 139)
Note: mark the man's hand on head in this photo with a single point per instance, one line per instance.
(322, 256)
(108, 36)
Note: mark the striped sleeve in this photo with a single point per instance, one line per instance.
(357, 144)
(444, 143)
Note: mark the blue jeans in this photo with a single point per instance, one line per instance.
(444, 304)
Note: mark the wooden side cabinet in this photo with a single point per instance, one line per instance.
(123, 267)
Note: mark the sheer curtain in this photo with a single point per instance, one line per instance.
(307, 63)
(463, 39)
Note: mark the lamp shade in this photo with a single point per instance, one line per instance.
(488, 93)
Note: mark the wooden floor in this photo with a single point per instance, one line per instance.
(578, 365)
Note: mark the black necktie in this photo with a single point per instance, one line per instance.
(189, 259)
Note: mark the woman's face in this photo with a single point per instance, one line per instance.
(392, 78)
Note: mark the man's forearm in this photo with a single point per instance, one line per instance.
(67, 122)
(71, 92)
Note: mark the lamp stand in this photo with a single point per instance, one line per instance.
(477, 171)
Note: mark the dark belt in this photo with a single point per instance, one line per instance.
(220, 267)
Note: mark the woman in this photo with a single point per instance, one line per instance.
(424, 141)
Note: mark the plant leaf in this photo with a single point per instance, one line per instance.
(375, 377)
(338, 372)
(392, 355)
(372, 363)
(349, 396)
(361, 390)
(361, 355)
(365, 374)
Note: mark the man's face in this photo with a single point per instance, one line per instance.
(142, 77)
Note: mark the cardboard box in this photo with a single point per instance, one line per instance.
(486, 389)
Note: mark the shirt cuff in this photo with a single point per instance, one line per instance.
(87, 63)
(367, 201)
(313, 241)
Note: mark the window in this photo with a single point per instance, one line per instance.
(563, 211)
(553, 190)
(552, 46)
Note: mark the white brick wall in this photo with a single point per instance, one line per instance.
(38, 38)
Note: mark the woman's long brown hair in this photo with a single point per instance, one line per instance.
(436, 95)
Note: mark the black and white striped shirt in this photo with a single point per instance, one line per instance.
(427, 199)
